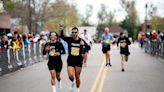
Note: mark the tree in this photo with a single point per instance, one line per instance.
(152, 10)
(105, 19)
(102, 14)
(157, 23)
(88, 14)
(131, 18)
(30, 11)
(8, 5)
(110, 18)
(61, 11)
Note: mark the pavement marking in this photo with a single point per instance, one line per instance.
(101, 84)
(93, 89)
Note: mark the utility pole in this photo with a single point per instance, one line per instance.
(146, 6)
(30, 13)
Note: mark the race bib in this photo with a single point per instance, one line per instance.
(75, 51)
(123, 45)
(107, 41)
(52, 52)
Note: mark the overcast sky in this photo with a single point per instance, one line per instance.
(115, 5)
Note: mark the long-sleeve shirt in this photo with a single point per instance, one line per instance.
(124, 42)
(54, 47)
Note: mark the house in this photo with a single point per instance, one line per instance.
(5, 24)
(115, 29)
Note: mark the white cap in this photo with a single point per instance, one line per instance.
(9, 34)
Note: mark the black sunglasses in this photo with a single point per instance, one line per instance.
(74, 32)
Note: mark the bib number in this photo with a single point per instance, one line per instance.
(75, 51)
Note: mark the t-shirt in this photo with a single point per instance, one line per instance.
(87, 38)
(74, 47)
(107, 38)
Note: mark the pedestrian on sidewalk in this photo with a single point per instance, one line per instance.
(54, 48)
(124, 49)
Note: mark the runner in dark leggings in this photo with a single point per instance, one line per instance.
(124, 49)
(75, 58)
(54, 49)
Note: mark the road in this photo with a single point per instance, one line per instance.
(143, 73)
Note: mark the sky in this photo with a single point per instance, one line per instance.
(115, 5)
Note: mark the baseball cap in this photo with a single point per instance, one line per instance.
(53, 34)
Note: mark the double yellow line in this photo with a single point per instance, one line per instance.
(99, 82)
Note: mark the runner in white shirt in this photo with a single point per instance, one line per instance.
(87, 38)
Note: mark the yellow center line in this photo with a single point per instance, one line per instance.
(101, 84)
(98, 77)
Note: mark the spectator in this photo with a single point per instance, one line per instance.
(154, 36)
(4, 42)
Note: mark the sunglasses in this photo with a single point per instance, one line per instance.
(74, 32)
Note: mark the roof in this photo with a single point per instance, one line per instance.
(5, 22)
(115, 29)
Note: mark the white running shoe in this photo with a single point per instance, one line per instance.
(54, 88)
(77, 90)
(72, 86)
(59, 84)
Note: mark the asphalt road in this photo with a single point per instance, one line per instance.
(143, 73)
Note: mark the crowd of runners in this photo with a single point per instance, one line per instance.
(79, 45)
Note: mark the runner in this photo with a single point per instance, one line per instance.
(124, 49)
(87, 38)
(75, 58)
(54, 49)
(107, 40)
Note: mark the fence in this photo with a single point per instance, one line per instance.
(154, 48)
(25, 56)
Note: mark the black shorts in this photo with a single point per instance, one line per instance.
(124, 51)
(86, 49)
(105, 49)
(55, 65)
(75, 61)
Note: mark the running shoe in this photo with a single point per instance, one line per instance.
(72, 86)
(110, 64)
(77, 90)
(106, 64)
(59, 84)
(122, 70)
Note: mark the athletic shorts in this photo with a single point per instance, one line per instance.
(86, 49)
(124, 52)
(105, 49)
(75, 61)
(55, 65)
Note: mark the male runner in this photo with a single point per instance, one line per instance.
(75, 58)
(107, 40)
(124, 49)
